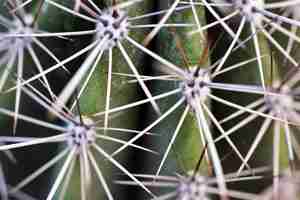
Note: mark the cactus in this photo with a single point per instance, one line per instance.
(149, 99)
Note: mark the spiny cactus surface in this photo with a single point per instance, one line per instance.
(144, 99)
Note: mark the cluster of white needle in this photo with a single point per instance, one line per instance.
(281, 104)
(81, 136)
(194, 86)
(248, 9)
(22, 27)
(192, 188)
(114, 24)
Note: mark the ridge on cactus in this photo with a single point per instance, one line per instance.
(259, 15)
(195, 88)
(14, 51)
(112, 27)
(193, 185)
(283, 104)
(80, 138)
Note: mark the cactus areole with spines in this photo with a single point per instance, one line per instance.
(194, 86)
(250, 9)
(81, 135)
(192, 188)
(114, 24)
(282, 104)
(247, 8)
(22, 27)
